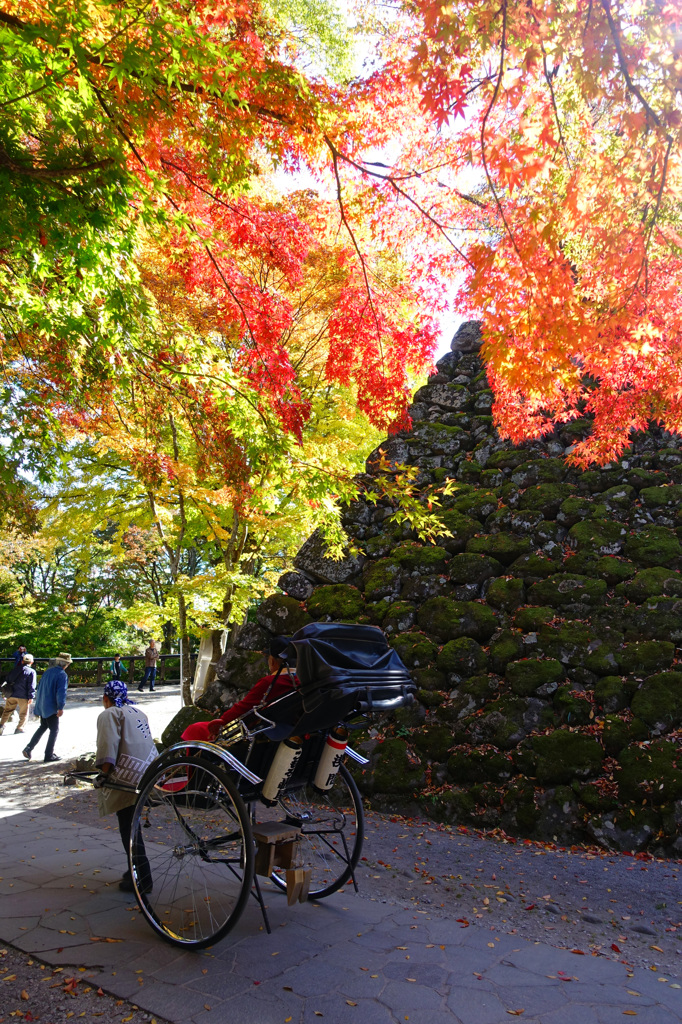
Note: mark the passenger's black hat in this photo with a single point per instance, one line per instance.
(279, 648)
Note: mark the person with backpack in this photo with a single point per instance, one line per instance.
(20, 689)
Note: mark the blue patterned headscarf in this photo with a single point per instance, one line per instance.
(117, 691)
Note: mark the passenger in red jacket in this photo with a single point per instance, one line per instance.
(282, 680)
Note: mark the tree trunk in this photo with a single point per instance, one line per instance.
(185, 677)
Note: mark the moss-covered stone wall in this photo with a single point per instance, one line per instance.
(542, 634)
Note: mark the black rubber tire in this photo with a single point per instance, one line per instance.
(184, 825)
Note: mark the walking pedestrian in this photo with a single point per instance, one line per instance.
(21, 689)
(49, 706)
(117, 668)
(124, 750)
(150, 658)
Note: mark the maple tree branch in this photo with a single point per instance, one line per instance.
(493, 100)
(631, 85)
(344, 219)
(46, 173)
(548, 79)
(393, 182)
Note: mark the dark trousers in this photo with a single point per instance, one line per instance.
(125, 825)
(51, 723)
(149, 674)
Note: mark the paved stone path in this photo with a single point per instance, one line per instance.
(349, 959)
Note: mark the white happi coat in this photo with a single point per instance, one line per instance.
(124, 740)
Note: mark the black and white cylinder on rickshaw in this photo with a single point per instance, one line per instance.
(281, 769)
(330, 761)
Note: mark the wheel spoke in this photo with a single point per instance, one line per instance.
(201, 872)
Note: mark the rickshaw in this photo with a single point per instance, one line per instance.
(270, 798)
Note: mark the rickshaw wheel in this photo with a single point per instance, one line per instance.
(326, 821)
(192, 852)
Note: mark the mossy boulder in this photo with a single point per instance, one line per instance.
(452, 804)
(610, 694)
(506, 647)
(562, 756)
(650, 582)
(507, 459)
(614, 569)
(539, 471)
(658, 702)
(433, 742)
(341, 602)
(449, 619)
(429, 679)
(533, 567)
(647, 657)
(502, 724)
(599, 536)
(656, 619)
(571, 707)
(575, 509)
(426, 558)
(481, 686)
(382, 579)
(503, 547)
(603, 657)
(545, 498)
(177, 725)
(533, 617)
(653, 772)
(528, 675)
(619, 734)
(394, 771)
(568, 641)
(479, 766)
(415, 650)
(566, 589)
(469, 568)
(282, 615)
(400, 616)
(654, 546)
(505, 593)
(619, 497)
(476, 504)
(461, 528)
(669, 496)
(462, 658)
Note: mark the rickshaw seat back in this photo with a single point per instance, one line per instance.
(343, 668)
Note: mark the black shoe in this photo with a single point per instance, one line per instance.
(27, 753)
(52, 757)
(126, 885)
(140, 689)
(126, 876)
(151, 689)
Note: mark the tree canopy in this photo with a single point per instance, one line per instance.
(169, 311)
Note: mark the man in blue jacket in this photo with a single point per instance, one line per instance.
(20, 690)
(49, 705)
